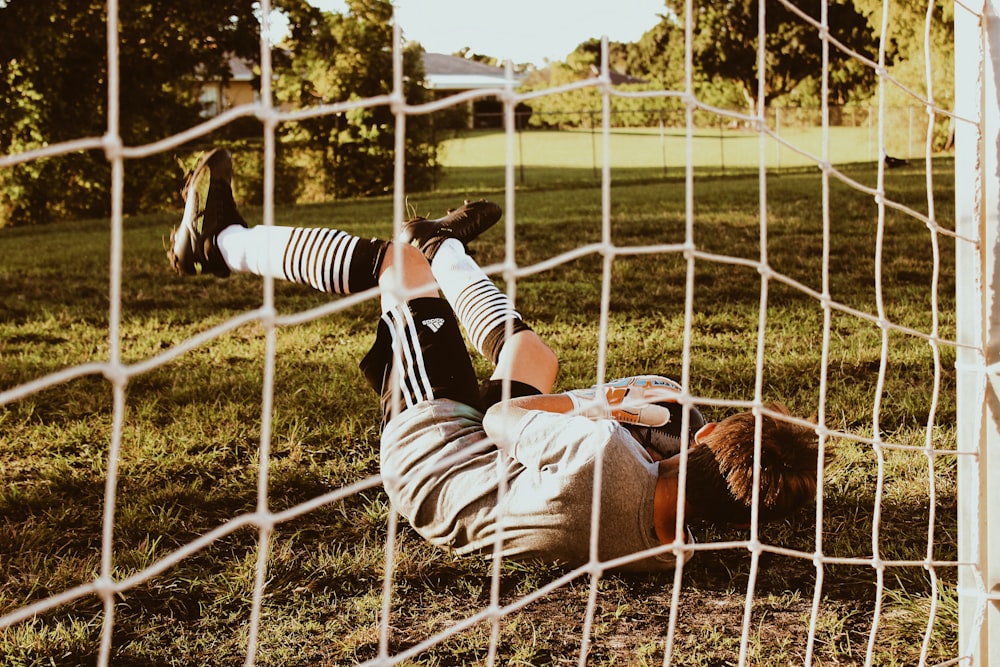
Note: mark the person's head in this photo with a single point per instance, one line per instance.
(719, 486)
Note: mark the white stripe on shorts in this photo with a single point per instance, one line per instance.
(409, 367)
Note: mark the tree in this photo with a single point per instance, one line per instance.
(54, 87)
(659, 55)
(580, 107)
(908, 48)
(726, 39)
(342, 57)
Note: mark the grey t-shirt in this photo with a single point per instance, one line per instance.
(444, 475)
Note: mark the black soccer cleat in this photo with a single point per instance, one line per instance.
(208, 209)
(464, 224)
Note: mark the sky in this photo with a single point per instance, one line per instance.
(523, 31)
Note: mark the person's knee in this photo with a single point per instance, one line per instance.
(404, 257)
(527, 358)
(546, 356)
(405, 275)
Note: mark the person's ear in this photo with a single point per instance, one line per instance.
(704, 432)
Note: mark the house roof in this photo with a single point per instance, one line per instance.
(617, 78)
(444, 72)
(240, 69)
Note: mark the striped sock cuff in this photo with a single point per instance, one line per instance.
(482, 309)
(332, 261)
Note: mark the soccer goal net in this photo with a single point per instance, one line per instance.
(850, 291)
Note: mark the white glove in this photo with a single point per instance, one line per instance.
(627, 401)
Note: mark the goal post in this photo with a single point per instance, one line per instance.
(977, 215)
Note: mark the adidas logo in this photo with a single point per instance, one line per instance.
(434, 324)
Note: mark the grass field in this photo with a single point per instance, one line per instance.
(191, 432)
(545, 157)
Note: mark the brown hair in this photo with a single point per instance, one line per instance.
(719, 483)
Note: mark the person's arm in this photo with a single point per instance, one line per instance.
(504, 421)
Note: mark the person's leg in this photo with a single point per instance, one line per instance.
(527, 359)
(214, 238)
(486, 313)
(419, 353)
(328, 260)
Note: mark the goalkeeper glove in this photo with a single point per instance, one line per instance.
(632, 400)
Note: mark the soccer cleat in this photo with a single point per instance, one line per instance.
(464, 224)
(208, 209)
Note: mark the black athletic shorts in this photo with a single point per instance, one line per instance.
(424, 337)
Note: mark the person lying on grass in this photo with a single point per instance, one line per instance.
(469, 470)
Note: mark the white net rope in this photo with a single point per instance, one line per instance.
(118, 374)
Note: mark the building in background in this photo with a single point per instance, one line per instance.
(444, 75)
(242, 87)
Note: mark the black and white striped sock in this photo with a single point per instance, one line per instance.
(328, 260)
(481, 308)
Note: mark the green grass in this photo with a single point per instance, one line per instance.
(544, 157)
(192, 428)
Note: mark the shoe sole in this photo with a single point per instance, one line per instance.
(195, 194)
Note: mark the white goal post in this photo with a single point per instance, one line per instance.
(977, 212)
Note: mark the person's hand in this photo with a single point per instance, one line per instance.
(632, 400)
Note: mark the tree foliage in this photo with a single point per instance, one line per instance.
(907, 27)
(54, 88)
(725, 45)
(342, 57)
(724, 54)
(657, 60)
(659, 55)
(54, 84)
